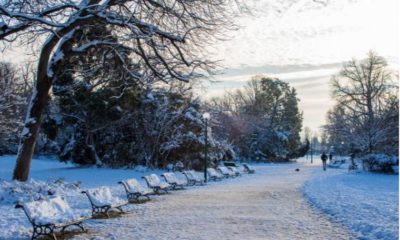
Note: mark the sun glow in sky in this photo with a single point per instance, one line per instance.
(304, 42)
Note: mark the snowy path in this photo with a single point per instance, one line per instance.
(266, 205)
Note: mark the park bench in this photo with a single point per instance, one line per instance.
(102, 201)
(214, 175)
(335, 164)
(47, 216)
(226, 172)
(154, 182)
(193, 178)
(134, 190)
(353, 167)
(235, 170)
(172, 180)
(230, 164)
(249, 169)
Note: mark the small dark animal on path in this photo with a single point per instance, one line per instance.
(297, 169)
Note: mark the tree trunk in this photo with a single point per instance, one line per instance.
(33, 120)
(31, 129)
(371, 119)
(43, 84)
(92, 154)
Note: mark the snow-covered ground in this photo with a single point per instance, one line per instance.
(366, 203)
(267, 205)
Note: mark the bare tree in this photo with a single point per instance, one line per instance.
(362, 90)
(15, 88)
(307, 134)
(165, 37)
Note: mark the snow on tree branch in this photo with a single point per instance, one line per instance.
(154, 41)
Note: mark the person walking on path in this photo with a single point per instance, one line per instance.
(324, 158)
(330, 157)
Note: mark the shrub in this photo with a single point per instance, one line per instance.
(379, 162)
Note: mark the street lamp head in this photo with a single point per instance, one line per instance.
(206, 115)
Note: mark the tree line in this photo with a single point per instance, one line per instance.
(114, 86)
(114, 83)
(99, 118)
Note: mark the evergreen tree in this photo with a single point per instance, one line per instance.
(265, 120)
(93, 92)
(292, 121)
(107, 118)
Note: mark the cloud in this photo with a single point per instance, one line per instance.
(308, 32)
(304, 42)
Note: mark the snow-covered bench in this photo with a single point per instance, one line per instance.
(335, 164)
(214, 175)
(249, 169)
(134, 190)
(193, 178)
(46, 216)
(102, 200)
(154, 182)
(172, 180)
(226, 172)
(235, 170)
(353, 167)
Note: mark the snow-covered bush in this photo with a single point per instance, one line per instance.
(169, 128)
(12, 192)
(379, 162)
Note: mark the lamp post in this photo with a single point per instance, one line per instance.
(206, 117)
(352, 154)
(342, 148)
(311, 150)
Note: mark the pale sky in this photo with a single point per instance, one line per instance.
(304, 42)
